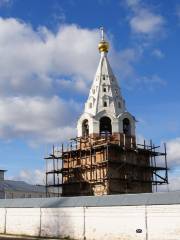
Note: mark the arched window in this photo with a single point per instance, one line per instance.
(126, 126)
(105, 126)
(85, 128)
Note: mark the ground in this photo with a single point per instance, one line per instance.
(10, 237)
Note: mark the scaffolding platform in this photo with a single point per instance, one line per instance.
(106, 165)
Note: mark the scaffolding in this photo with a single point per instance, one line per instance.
(106, 165)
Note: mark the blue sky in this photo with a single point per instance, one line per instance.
(49, 56)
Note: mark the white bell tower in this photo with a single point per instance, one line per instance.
(105, 111)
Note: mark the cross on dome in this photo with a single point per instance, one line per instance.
(102, 33)
(103, 44)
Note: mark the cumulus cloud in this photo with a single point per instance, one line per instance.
(173, 160)
(146, 82)
(38, 68)
(58, 13)
(174, 184)
(37, 119)
(33, 59)
(123, 61)
(41, 62)
(36, 176)
(146, 22)
(143, 20)
(78, 83)
(158, 53)
(173, 151)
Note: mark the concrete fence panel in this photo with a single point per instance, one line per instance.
(23, 221)
(150, 222)
(163, 222)
(115, 223)
(2, 220)
(62, 222)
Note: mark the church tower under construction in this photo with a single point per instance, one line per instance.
(104, 158)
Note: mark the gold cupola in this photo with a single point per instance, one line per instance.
(103, 45)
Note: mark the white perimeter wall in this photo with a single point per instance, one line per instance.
(160, 222)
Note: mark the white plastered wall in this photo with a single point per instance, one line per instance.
(154, 222)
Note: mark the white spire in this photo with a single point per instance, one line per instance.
(105, 99)
(105, 94)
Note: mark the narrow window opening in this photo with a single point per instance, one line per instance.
(126, 126)
(104, 89)
(105, 104)
(104, 78)
(119, 105)
(90, 105)
(85, 128)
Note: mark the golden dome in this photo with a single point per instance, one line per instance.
(103, 46)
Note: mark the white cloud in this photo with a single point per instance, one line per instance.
(32, 59)
(146, 82)
(36, 176)
(143, 20)
(173, 161)
(124, 60)
(174, 184)
(37, 119)
(158, 53)
(146, 22)
(140, 138)
(75, 84)
(33, 65)
(40, 62)
(173, 151)
(58, 13)
(132, 3)
(154, 79)
(37, 66)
